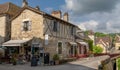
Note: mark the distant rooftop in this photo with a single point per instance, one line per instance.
(9, 8)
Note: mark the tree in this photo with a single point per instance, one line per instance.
(90, 43)
(98, 34)
(118, 63)
(97, 49)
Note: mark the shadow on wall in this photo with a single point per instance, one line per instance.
(1, 40)
(2, 50)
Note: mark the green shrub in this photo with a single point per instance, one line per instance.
(118, 63)
(90, 43)
(97, 49)
(56, 57)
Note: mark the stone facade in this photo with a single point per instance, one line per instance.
(36, 26)
(2, 28)
(42, 25)
(117, 42)
(7, 11)
(117, 46)
(50, 32)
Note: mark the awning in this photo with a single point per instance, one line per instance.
(72, 43)
(14, 42)
(83, 43)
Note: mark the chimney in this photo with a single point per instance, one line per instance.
(56, 14)
(37, 7)
(66, 16)
(25, 3)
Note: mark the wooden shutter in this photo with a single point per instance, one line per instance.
(58, 26)
(22, 26)
(29, 25)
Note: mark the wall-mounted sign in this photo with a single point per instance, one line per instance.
(46, 39)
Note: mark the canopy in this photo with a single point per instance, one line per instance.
(83, 43)
(72, 43)
(14, 42)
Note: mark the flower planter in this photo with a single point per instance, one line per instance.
(57, 62)
(56, 59)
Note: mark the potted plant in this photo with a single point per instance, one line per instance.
(56, 59)
(14, 61)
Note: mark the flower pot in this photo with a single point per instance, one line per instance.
(57, 62)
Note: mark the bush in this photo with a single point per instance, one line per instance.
(56, 57)
(90, 43)
(97, 49)
(118, 63)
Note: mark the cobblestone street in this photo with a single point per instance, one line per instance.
(58, 67)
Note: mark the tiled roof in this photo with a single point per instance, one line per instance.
(106, 41)
(14, 11)
(41, 12)
(117, 38)
(9, 8)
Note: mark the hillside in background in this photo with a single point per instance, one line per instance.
(99, 34)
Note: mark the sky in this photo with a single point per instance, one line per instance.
(96, 15)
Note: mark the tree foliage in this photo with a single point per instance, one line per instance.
(118, 63)
(97, 49)
(90, 43)
(98, 34)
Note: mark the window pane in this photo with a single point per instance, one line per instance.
(59, 47)
(55, 24)
(26, 25)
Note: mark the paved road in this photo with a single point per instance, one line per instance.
(91, 62)
(81, 64)
(58, 67)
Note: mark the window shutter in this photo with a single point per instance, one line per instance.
(58, 26)
(29, 25)
(22, 26)
(52, 23)
(74, 30)
(54, 26)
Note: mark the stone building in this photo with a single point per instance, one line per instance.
(117, 42)
(32, 28)
(7, 11)
(105, 43)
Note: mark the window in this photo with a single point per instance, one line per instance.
(55, 26)
(72, 30)
(59, 47)
(26, 26)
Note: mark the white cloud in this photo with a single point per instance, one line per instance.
(49, 9)
(98, 15)
(88, 25)
(89, 6)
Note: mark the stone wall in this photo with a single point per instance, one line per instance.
(117, 46)
(52, 47)
(62, 35)
(36, 26)
(39, 28)
(2, 28)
